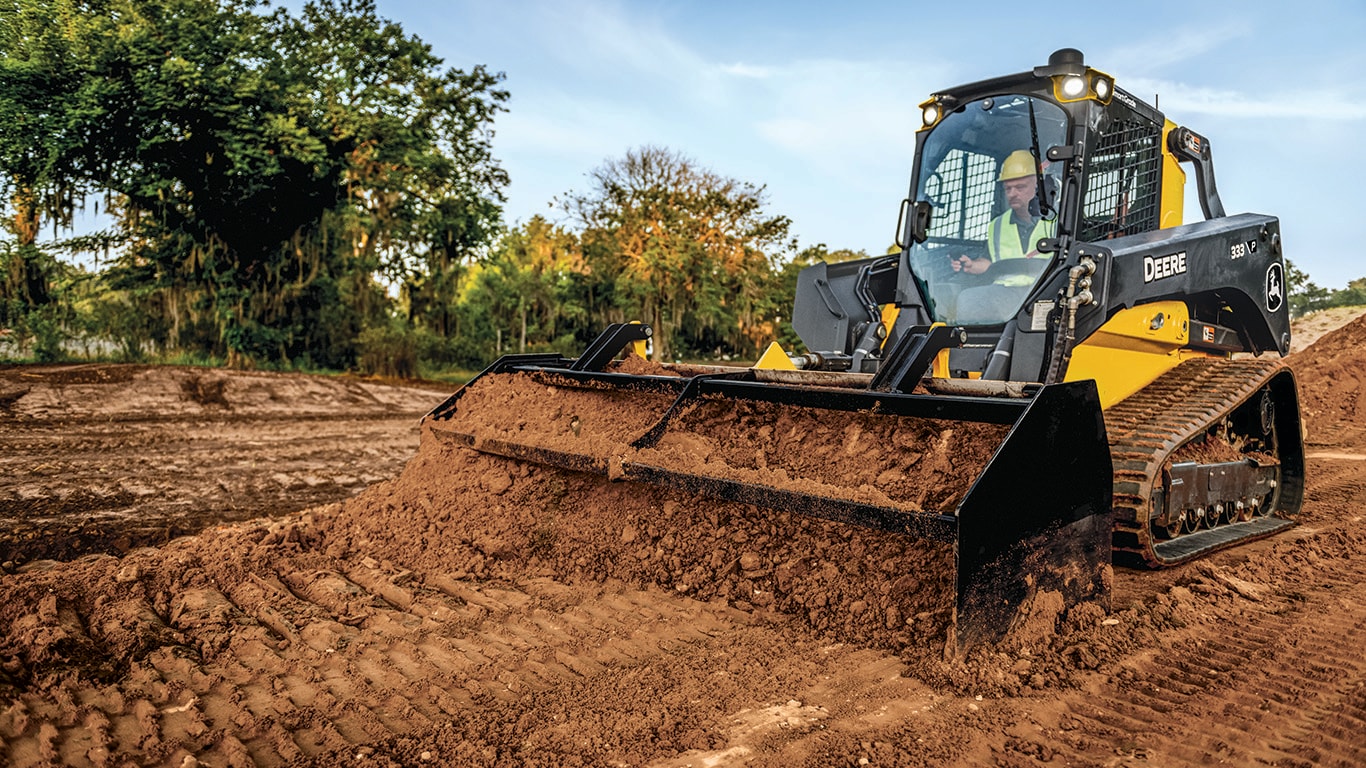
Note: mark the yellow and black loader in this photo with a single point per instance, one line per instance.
(1115, 351)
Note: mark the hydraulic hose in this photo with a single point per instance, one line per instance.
(1078, 295)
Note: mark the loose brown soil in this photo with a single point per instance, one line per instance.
(475, 610)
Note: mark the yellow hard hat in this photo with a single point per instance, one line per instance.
(1018, 164)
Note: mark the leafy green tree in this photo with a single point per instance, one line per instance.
(538, 262)
(1306, 296)
(33, 166)
(262, 168)
(681, 248)
(424, 188)
(1354, 295)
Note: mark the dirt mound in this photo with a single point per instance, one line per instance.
(1307, 330)
(887, 590)
(1331, 374)
(483, 517)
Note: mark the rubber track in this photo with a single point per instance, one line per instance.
(1146, 428)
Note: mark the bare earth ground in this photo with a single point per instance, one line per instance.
(480, 611)
(105, 458)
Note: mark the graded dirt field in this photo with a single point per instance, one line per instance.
(107, 458)
(336, 606)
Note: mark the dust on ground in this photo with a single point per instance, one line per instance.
(475, 610)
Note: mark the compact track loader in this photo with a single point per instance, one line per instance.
(1055, 370)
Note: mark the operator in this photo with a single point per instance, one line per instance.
(1014, 234)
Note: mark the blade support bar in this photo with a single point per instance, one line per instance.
(910, 358)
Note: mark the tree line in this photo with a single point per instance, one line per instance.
(317, 189)
(1306, 296)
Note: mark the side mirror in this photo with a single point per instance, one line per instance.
(919, 214)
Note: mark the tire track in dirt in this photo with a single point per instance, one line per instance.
(307, 647)
(1261, 673)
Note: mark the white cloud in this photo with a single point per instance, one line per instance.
(1178, 98)
(844, 117)
(1173, 47)
(740, 69)
(603, 38)
(559, 125)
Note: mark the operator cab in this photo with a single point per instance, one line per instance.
(992, 196)
(1016, 182)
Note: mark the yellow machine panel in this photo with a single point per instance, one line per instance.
(1173, 184)
(1134, 348)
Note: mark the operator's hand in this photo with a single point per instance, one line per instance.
(970, 265)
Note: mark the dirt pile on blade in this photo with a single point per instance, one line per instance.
(597, 423)
(482, 516)
(1331, 375)
(914, 464)
(636, 365)
(910, 463)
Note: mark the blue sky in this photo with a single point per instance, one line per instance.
(818, 102)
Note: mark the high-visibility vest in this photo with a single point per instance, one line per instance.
(1003, 237)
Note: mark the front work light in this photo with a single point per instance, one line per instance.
(1073, 86)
